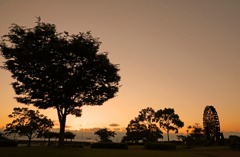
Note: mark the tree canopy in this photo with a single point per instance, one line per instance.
(146, 127)
(143, 128)
(57, 70)
(28, 123)
(105, 134)
(69, 135)
(169, 120)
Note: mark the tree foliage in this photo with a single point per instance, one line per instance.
(197, 131)
(56, 70)
(143, 128)
(49, 135)
(168, 120)
(28, 123)
(69, 135)
(196, 136)
(105, 135)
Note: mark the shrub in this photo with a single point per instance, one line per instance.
(8, 143)
(234, 141)
(109, 145)
(160, 146)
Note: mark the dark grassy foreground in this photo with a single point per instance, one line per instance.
(131, 152)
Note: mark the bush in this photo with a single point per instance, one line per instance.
(160, 146)
(8, 143)
(109, 145)
(234, 141)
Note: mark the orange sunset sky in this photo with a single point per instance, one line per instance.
(182, 54)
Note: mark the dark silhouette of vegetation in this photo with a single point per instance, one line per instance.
(105, 135)
(234, 142)
(195, 137)
(69, 135)
(168, 120)
(5, 142)
(48, 135)
(197, 131)
(57, 70)
(143, 128)
(28, 123)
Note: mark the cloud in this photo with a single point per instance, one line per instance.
(114, 125)
(88, 129)
(119, 129)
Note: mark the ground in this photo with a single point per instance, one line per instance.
(131, 152)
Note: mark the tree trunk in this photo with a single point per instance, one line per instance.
(29, 141)
(168, 135)
(62, 131)
(62, 120)
(49, 141)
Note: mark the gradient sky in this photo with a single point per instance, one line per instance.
(183, 54)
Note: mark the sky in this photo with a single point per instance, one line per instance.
(181, 54)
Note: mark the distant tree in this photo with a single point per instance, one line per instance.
(28, 123)
(58, 70)
(197, 131)
(143, 128)
(188, 128)
(168, 120)
(48, 135)
(181, 138)
(135, 132)
(105, 134)
(69, 135)
(196, 136)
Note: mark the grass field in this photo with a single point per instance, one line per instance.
(131, 152)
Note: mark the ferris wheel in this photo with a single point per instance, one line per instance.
(211, 124)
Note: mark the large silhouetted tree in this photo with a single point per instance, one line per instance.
(57, 70)
(28, 123)
(168, 120)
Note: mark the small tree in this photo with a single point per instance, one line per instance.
(69, 135)
(168, 120)
(57, 70)
(48, 135)
(135, 132)
(197, 131)
(196, 136)
(28, 123)
(143, 128)
(105, 134)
